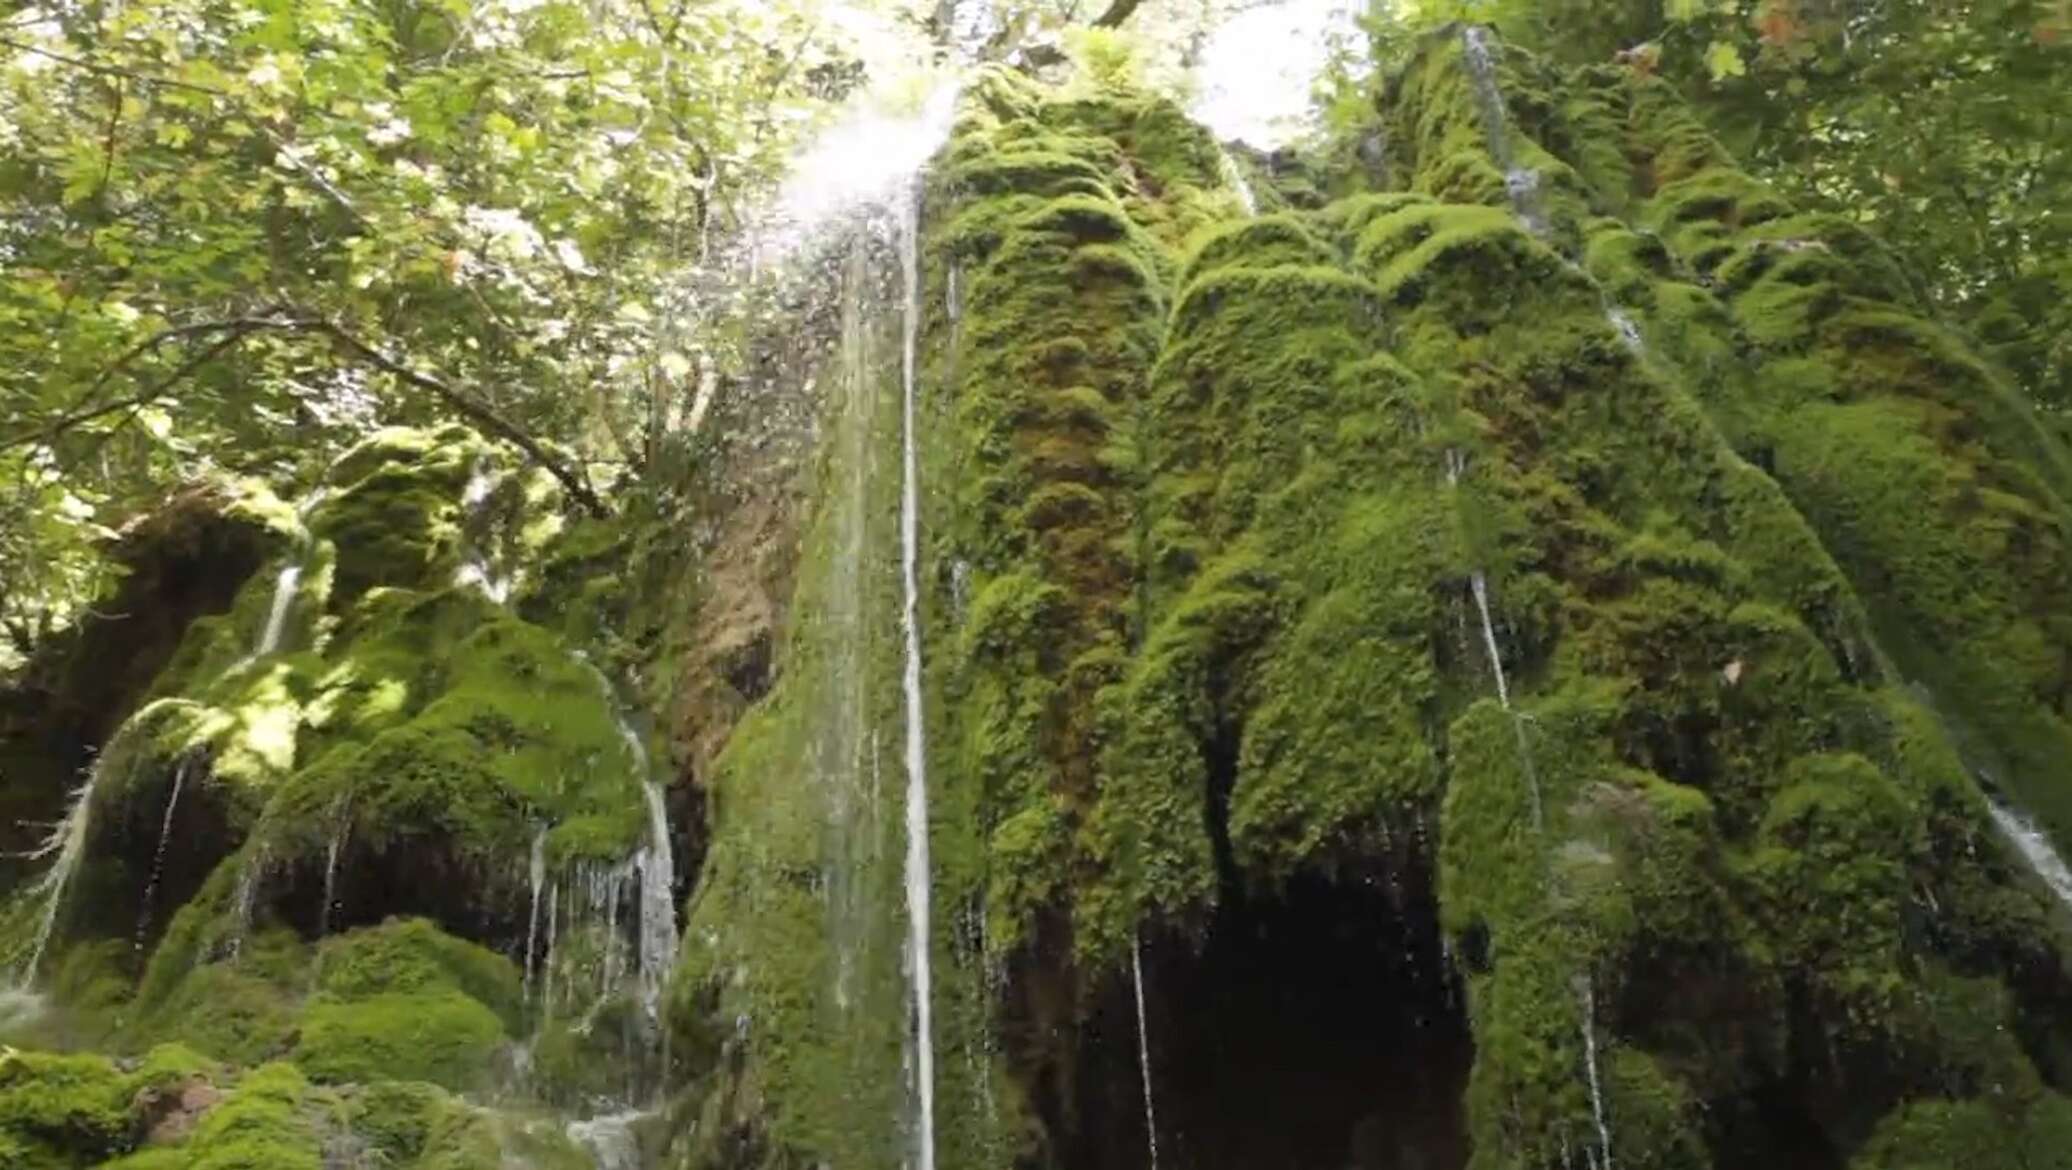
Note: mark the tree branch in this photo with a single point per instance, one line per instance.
(145, 398)
(236, 328)
(467, 405)
(1118, 11)
(111, 70)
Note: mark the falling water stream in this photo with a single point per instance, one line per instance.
(2034, 848)
(1234, 177)
(1144, 1047)
(67, 840)
(917, 867)
(1604, 1131)
(165, 836)
(536, 876)
(283, 601)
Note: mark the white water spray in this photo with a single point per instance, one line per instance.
(657, 903)
(917, 867)
(333, 848)
(1604, 1129)
(1629, 331)
(1144, 1046)
(165, 836)
(536, 867)
(245, 899)
(1480, 584)
(2034, 847)
(67, 841)
(609, 1138)
(1234, 178)
(277, 616)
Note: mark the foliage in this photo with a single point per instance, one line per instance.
(283, 223)
(1935, 125)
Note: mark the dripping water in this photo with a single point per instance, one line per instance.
(1629, 331)
(917, 867)
(67, 840)
(1234, 178)
(1604, 1131)
(1480, 584)
(2034, 847)
(165, 836)
(332, 850)
(657, 904)
(277, 615)
(547, 956)
(245, 899)
(1521, 184)
(1144, 1046)
(537, 876)
(610, 1139)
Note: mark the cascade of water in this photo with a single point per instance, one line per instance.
(1144, 1046)
(608, 973)
(657, 905)
(1234, 177)
(547, 956)
(917, 867)
(1522, 184)
(1604, 1130)
(244, 900)
(165, 836)
(2034, 848)
(277, 615)
(1629, 332)
(332, 849)
(536, 874)
(610, 1139)
(67, 840)
(1480, 585)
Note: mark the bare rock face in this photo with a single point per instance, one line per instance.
(169, 1113)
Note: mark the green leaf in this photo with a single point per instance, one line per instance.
(1723, 60)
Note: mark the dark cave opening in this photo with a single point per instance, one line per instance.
(1317, 1028)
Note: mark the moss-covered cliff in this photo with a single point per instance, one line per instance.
(1535, 652)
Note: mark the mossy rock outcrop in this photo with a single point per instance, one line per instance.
(1562, 550)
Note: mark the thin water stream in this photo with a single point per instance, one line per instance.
(918, 876)
(1144, 1047)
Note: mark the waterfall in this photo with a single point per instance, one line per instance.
(1480, 584)
(2034, 847)
(1604, 1129)
(917, 870)
(1144, 1046)
(165, 836)
(609, 1138)
(277, 616)
(547, 956)
(657, 904)
(1629, 332)
(537, 875)
(332, 849)
(1235, 177)
(67, 840)
(245, 899)
(1521, 184)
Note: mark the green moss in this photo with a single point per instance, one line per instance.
(61, 1110)
(266, 1124)
(440, 1036)
(412, 955)
(1931, 1134)
(394, 510)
